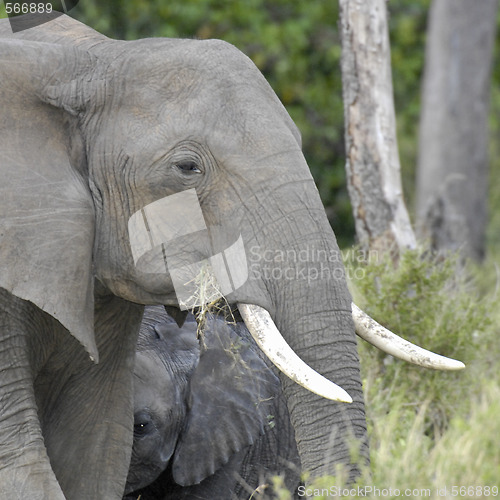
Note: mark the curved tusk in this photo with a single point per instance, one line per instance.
(274, 346)
(374, 333)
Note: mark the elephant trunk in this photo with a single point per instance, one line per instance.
(311, 307)
(321, 332)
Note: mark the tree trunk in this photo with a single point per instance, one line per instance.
(372, 160)
(452, 175)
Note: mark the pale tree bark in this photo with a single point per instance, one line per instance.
(452, 172)
(372, 158)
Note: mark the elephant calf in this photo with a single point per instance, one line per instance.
(209, 420)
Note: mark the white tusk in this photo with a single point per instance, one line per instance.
(374, 333)
(274, 346)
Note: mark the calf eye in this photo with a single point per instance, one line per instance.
(188, 166)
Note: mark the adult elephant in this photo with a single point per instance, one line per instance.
(209, 422)
(129, 169)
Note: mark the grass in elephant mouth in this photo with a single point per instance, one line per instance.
(206, 299)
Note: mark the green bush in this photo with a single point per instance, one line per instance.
(429, 428)
(431, 303)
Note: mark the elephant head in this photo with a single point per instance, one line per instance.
(217, 418)
(166, 358)
(129, 169)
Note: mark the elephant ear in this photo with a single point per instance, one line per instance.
(46, 210)
(231, 403)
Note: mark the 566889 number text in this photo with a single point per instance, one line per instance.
(28, 8)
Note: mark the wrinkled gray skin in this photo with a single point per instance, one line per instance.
(92, 131)
(217, 422)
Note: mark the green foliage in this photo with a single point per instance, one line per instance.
(431, 303)
(466, 454)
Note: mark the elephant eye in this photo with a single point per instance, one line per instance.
(141, 429)
(142, 425)
(188, 166)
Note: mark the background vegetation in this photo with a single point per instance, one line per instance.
(428, 429)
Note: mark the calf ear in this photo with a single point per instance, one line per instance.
(231, 403)
(46, 209)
